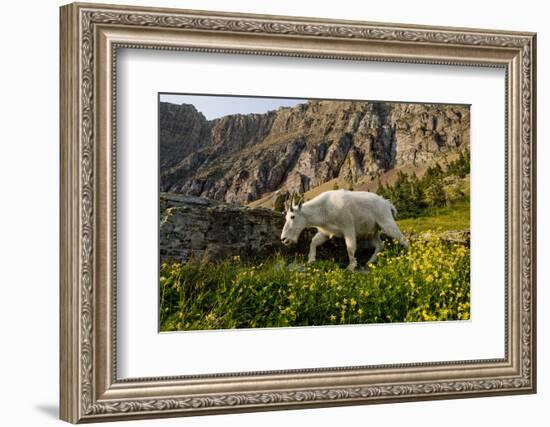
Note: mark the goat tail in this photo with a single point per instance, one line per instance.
(393, 209)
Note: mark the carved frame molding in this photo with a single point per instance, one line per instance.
(90, 36)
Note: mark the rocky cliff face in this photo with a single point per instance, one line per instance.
(183, 131)
(239, 158)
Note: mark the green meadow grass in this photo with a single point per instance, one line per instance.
(456, 217)
(427, 282)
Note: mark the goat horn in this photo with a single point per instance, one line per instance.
(301, 199)
(288, 201)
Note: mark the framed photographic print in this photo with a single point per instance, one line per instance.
(266, 212)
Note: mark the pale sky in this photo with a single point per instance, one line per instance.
(218, 106)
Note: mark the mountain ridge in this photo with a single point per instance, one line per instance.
(240, 158)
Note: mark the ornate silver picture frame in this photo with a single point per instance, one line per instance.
(91, 35)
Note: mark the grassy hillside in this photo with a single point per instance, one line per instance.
(456, 217)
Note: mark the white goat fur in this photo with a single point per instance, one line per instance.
(352, 215)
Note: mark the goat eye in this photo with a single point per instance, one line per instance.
(291, 216)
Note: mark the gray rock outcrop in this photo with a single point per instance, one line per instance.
(195, 227)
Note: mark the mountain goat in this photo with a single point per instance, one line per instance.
(341, 213)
